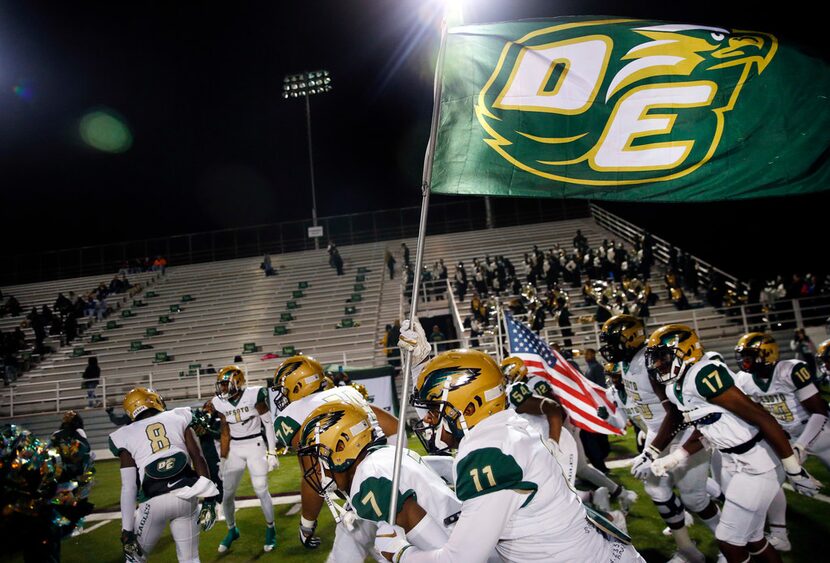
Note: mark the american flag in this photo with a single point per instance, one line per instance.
(579, 396)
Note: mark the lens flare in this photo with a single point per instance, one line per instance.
(105, 130)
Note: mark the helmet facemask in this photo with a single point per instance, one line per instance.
(750, 360)
(435, 417)
(665, 363)
(317, 458)
(280, 397)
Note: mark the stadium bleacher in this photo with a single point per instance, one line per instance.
(218, 308)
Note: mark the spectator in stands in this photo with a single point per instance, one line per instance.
(437, 337)
(267, 267)
(12, 307)
(460, 281)
(538, 316)
(70, 328)
(394, 354)
(91, 377)
(581, 242)
(390, 261)
(405, 251)
(563, 317)
(62, 304)
(338, 263)
(37, 327)
(160, 264)
(594, 370)
(804, 349)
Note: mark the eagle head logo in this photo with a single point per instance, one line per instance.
(435, 382)
(617, 102)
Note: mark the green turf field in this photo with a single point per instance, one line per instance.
(809, 523)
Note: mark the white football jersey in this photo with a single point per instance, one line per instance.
(289, 420)
(152, 438)
(705, 380)
(503, 452)
(371, 487)
(781, 395)
(241, 415)
(627, 408)
(640, 392)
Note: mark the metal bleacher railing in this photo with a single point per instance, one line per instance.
(458, 214)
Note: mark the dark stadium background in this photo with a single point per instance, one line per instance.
(215, 146)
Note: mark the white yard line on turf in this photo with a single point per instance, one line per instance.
(250, 503)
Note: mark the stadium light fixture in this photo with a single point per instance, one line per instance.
(304, 85)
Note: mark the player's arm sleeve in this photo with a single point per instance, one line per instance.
(802, 381)
(428, 534)
(262, 403)
(477, 532)
(517, 394)
(129, 491)
(374, 496)
(713, 380)
(285, 428)
(815, 425)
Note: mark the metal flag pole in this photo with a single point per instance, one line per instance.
(419, 259)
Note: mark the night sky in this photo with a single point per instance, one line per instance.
(215, 146)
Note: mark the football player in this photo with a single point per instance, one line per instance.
(823, 359)
(300, 386)
(786, 389)
(345, 450)
(623, 341)
(243, 410)
(156, 452)
(756, 454)
(515, 498)
(627, 408)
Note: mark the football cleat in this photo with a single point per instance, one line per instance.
(232, 535)
(779, 539)
(626, 499)
(270, 538)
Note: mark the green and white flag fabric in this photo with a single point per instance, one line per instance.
(623, 109)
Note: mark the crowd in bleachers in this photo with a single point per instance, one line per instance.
(138, 265)
(66, 320)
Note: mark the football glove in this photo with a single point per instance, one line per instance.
(391, 542)
(413, 339)
(307, 537)
(642, 463)
(641, 438)
(662, 465)
(804, 483)
(207, 515)
(273, 461)
(132, 551)
(602, 413)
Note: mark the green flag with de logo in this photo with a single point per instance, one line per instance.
(623, 109)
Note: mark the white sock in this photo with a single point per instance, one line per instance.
(777, 512)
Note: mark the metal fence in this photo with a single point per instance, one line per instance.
(290, 236)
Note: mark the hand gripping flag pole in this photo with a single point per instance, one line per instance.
(419, 259)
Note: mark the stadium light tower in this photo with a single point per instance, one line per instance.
(306, 84)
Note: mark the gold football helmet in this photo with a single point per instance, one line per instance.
(140, 399)
(332, 437)
(757, 353)
(298, 377)
(229, 381)
(823, 357)
(671, 350)
(514, 369)
(622, 336)
(455, 391)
